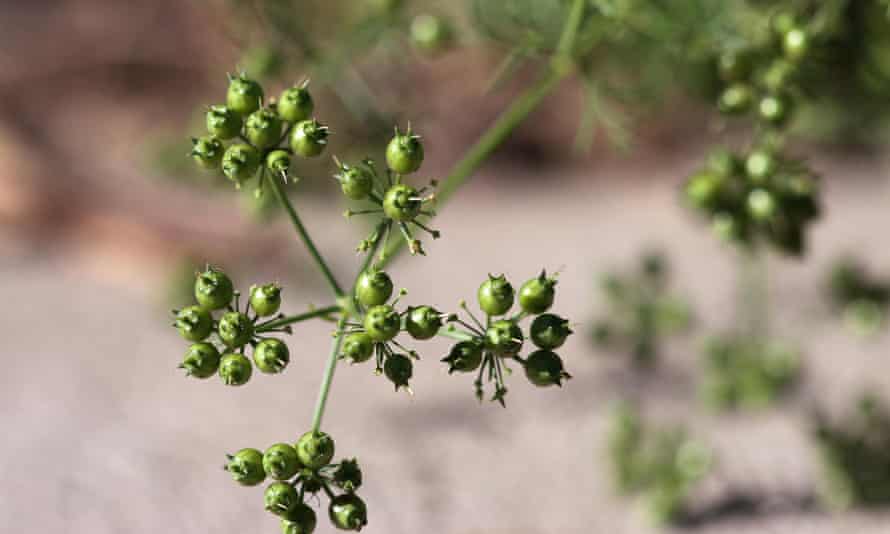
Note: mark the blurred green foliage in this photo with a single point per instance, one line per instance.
(855, 452)
(639, 53)
(634, 56)
(859, 296)
(742, 371)
(662, 465)
(763, 197)
(640, 311)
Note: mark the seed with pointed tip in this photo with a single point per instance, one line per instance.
(298, 520)
(549, 331)
(348, 475)
(536, 295)
(240, 162)
(464, 357)
(504, 338)
(373, 287)
(263, 128)
(382, 323)
(496, 295)
(246, 467)
(309, 138)
(280, 497)
(222, 122)
(235, 369)
(404, 153)
(398, 369)
(348, 512)
(207, 152)
(265, 299)
(544, 368)
(280, 461)
(358, 347)
(201, 360)
(194, 323)
(278, 162)
(315, 449)
(271, 355)
(423, 322)
(355, 182)
(295, 104)
(244, 96)
(402, 203)
(235, 329)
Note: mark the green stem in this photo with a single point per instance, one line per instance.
(284, 321)
(560, 67)
(513, 116)
(335, 350)
(570, 32)
(328, 377)
(753, 305)
(453, 333)
(369, 257)
(304, 235)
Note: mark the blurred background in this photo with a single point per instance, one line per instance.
(104, 220)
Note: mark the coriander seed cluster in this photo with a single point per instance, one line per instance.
(266, 138)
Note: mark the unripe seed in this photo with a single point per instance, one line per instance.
(295, 104)
(223, 123)
(348, 512)
(315, 450)
(404, 153)
(246, 467)
(235, 369)
(271, 355)
(244, 95)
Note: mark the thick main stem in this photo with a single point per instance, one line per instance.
(334, 357)
(304, 235)
(328, 377)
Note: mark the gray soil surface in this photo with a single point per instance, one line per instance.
(103, 435)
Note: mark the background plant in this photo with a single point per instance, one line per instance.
(763, 197)
(662, 465)
(853, 451)
(641, 312)
(859, 296)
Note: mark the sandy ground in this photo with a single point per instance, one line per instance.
(103, 435)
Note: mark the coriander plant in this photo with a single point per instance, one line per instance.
(662, 465)
(641, 312)
(859, 296)
(255, 142)
(854, 454)
(759, 197)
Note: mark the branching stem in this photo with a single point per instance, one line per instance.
(304, 236)
(560, 67)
